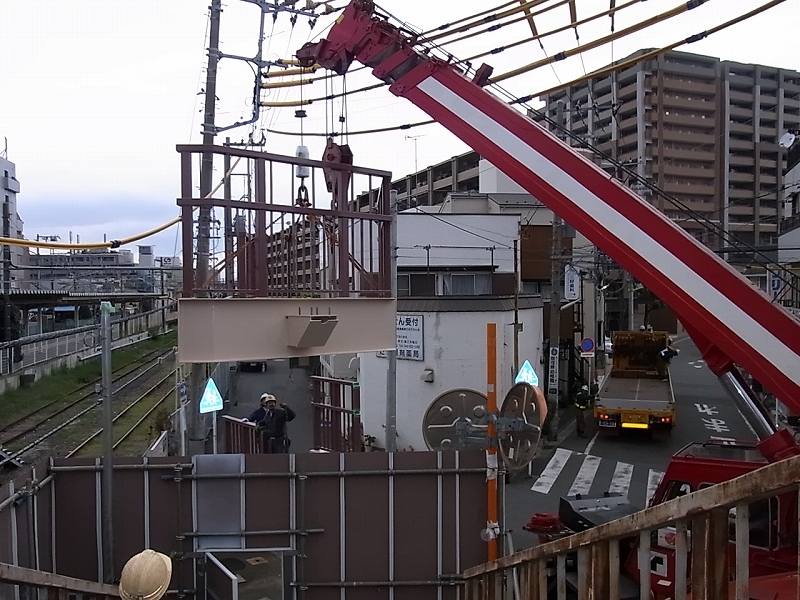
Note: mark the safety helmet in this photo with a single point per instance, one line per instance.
(585, 388)
(268, 398)
(145, 576)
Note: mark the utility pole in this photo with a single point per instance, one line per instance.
(108, 443)
(554, 350)
(196, 423)
(555, 330)
(630, 287)
(391, 355)
(516, 307)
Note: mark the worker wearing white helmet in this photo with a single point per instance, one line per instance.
(145, 576)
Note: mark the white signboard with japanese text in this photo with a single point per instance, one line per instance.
(572, 283)
(410, 337)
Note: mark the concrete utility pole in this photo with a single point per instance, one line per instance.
(554, 356)
(516, 306)
(391, 355)
(555, 329)
(108, 443)
(197, 376)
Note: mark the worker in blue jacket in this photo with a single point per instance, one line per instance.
(271, 419)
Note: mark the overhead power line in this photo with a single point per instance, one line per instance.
(619, 66)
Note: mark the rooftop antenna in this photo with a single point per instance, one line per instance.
(4, 153)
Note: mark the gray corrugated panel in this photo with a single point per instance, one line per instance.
(466, 303)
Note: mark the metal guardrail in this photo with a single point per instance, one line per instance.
(709, 571)
(25, 352)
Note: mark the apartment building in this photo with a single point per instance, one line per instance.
(704, 130)
(13, 256)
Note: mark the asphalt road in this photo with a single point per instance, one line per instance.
(631, 463)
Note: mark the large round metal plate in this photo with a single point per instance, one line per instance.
(441, 421)
(526, 403)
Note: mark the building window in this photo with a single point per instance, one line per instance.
(416, 284)
(467, 284)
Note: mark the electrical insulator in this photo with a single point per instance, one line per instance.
(302, 171)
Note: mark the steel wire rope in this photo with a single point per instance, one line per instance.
(721, 233)
(564, 54)
(592, 75)
(474, 16)
(495, 20)
(537, 37)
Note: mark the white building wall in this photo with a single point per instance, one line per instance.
(492, 180)
(457, 240)
(455, 348)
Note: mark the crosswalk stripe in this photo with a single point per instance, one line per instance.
(551, 471)
(653, 479)
(621, 481)
(583, 480)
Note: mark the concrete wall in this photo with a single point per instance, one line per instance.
(455, 348)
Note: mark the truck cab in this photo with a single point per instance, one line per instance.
(773, 520)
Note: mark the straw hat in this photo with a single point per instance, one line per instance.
(145, 576)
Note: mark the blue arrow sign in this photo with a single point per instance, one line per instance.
(527, 375)
(211, 400)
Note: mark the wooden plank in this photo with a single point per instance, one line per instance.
(699, 555)
(561, 576)
(600, 570)
(681, 559)
(541, 577)
(21, 575)
(718, 544)
(584, 572)
(742, 551)
(766, 481)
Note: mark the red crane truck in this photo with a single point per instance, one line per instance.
(732, 322)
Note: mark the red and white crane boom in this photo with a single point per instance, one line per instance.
(731, 321)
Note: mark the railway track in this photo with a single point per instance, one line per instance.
(133, 421)
(57, 426)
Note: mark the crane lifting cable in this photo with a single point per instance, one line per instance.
(660, 18)
(619, 66)
(475, 16)
(302, 102)
(493, 19)
(539, 36)
(299, 103)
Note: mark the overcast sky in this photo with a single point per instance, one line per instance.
(95, 94)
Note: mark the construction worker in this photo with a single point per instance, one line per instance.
(271, 420)
(582, 401)
(664, 357)
(145, 576)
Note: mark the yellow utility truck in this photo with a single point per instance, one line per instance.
(637, 392)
